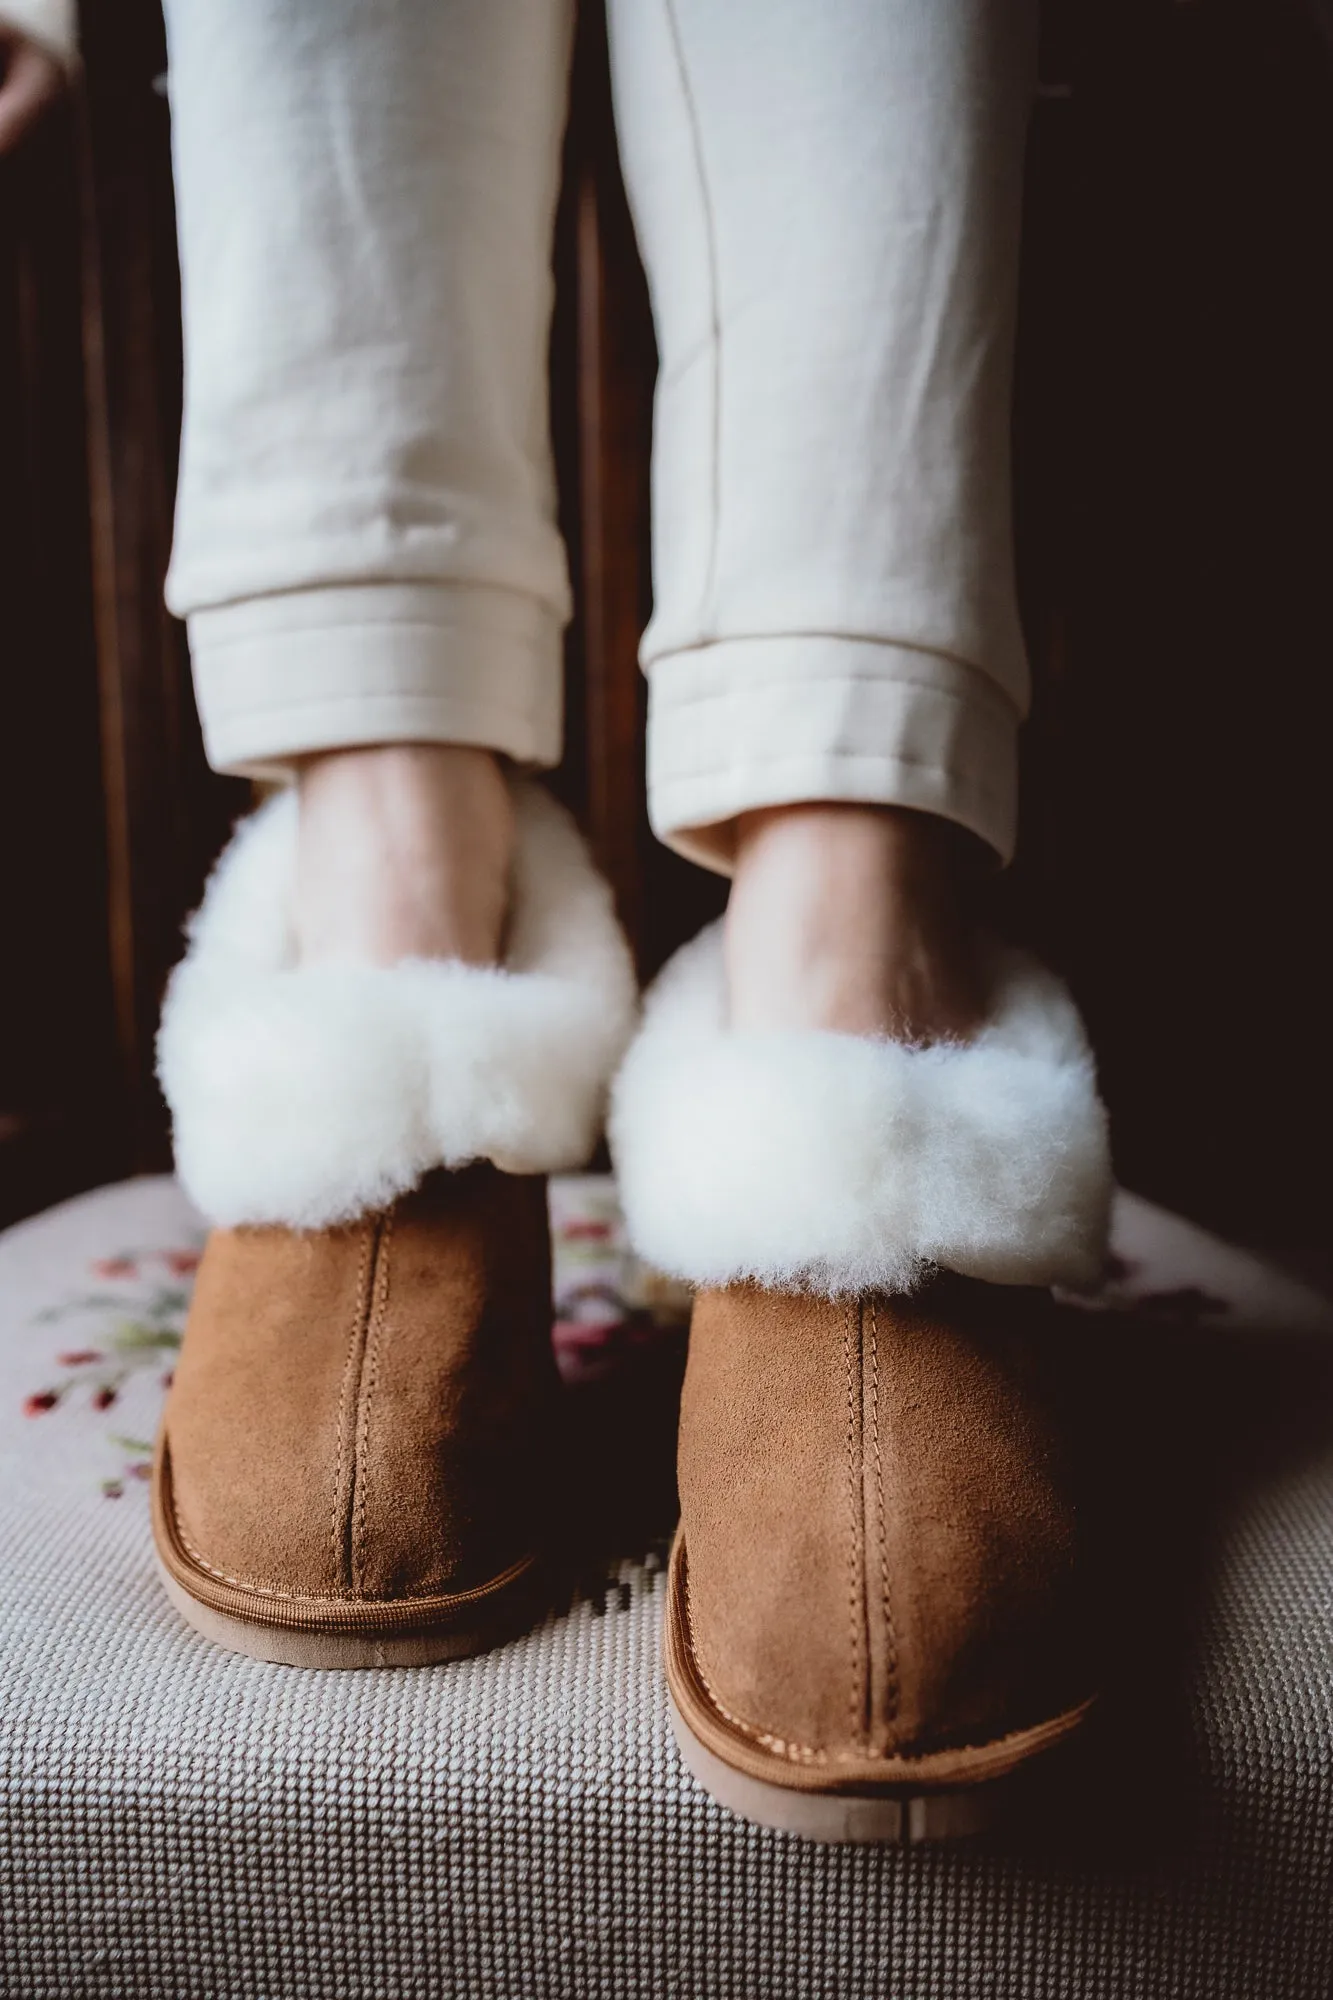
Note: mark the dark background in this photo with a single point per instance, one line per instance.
(1174, 420)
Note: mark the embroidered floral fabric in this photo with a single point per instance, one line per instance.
(175, 1820)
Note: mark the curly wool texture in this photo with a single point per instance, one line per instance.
(841, 1164)
(310, 1095)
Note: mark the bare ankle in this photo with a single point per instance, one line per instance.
(852, 918)
(404, 851)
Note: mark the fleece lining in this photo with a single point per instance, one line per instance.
(308, 1095)
(842, 1164)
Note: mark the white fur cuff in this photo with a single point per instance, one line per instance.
(842, 1164)
(309, 1095)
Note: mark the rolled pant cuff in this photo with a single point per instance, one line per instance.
(277, 678)
(747, 723)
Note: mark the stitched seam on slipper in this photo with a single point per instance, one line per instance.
(806, 1753)
(370, 1378)
(892, 1693)
(244, 1582)
(316, 1596)
(854, 1512)
(362, 1303)
(797, 1753)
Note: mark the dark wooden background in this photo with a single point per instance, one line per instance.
(1174, 422)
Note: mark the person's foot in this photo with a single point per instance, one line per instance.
(403, 851)
(353, 1469)
(852, 918)
(353, 1464)
(872, 1611)
(873, 1607)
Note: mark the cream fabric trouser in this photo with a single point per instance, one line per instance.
(827, 197)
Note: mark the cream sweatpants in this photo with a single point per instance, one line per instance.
(827, 198)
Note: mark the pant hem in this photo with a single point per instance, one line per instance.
(750, 723)
(278, 678)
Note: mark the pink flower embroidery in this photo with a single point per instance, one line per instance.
(585, 1232)
(116, 1267)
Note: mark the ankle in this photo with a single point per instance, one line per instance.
(852, 918)
(403, 851)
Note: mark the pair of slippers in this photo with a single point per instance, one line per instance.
(871, 1615)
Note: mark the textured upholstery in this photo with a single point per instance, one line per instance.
(176, 1821)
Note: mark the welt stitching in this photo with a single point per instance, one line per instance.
(794, 1752)
(854, 1609)
(223, 1576)
(353, 1350)
(715, 317)
(809, 1753)
(274, 1590)
(891, 1636)
(369, 1377)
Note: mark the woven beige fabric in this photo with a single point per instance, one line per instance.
(176, 1821)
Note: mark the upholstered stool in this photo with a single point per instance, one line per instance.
(179, 1821)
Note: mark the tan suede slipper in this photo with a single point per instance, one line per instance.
(872, 1615)
(354, 1466)
(873, 1619)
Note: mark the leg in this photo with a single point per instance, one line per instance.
(352, 1461)
(404, 851)
(828, 202)
(366, 550)
(854, 918)
(872, 1611)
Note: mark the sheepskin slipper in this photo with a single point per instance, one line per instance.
(353, 1467)
(873, 1626)
(312, 1095)
(872, 1619)
(354, 1464)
